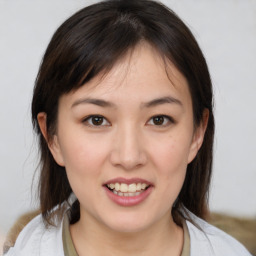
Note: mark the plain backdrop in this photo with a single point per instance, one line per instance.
(226, 32)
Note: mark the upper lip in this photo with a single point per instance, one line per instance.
(127, 181)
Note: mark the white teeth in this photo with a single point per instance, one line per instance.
(123, 189)
(143, 186)
(138, 187)
(117, 186)
(132, 188)
(112, 186)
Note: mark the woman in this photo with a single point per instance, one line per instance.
(122, 106)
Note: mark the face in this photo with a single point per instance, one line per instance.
(126, 139)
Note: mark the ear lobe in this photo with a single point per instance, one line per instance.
(198, 136)
(52, 143)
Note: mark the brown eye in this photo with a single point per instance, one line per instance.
(161, 120)
(158, 120)
(96, 121)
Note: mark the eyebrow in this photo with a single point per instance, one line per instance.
(152, 103)
(98, 102)
(161, 101)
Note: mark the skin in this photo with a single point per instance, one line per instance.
(129, 143)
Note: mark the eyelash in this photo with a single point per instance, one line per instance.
(167, 120)
(88, 121)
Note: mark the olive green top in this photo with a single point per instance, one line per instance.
(69, 248)
(186, 242)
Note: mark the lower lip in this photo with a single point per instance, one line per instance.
(128, 200)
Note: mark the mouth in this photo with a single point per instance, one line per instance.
(127, 190)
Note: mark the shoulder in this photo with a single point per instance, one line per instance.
(212, 241)
(37, 239)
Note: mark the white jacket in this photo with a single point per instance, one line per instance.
(35, 239)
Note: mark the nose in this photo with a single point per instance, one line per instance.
(128, 149)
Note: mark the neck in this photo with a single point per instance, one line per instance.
(93, 238)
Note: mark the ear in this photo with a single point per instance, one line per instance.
(52, 142)
(198, 136)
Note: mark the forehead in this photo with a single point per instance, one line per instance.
(142, 74)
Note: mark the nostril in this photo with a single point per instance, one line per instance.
(128, 157)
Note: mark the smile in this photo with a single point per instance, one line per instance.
(128, 192)
(123, 189)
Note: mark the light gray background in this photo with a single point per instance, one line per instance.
(226, 32)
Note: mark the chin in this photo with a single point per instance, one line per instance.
(128, 223)
(127, 227)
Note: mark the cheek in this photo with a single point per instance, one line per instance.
(171, 154)
(172, 168)
(170, 160)
(84, 164)
(83, 157)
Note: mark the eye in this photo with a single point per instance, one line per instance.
(96, 120)
(161, 120)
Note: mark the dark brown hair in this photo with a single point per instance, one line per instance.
(90, 42)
